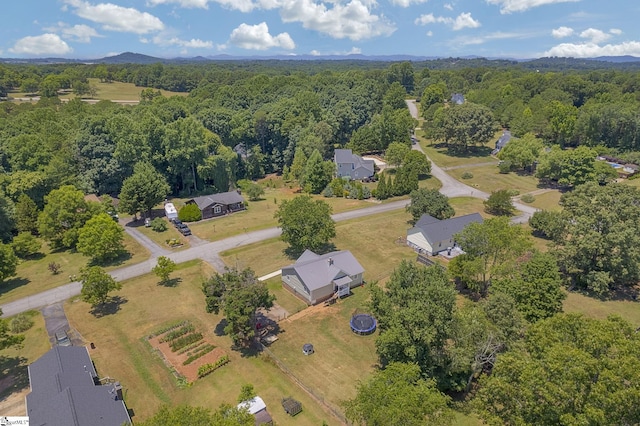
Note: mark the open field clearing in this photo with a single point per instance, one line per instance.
(488, 178)
(600, 309)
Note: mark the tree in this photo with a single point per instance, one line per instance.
(601, 247)
(7, 218)
(101, 239)
(25, 245)
(414, 314)
(298, 166)
(418, 163)
(96, 285)
(490, 249)
(522, 153)
(184, 415)
(405, 181)
(238, 294)
(547, 224)
(8, 262)
(398, 395)
(570, 167)
(396, 153)
(65, 212)
(190, 213)
(26, 214)
(7, 340)
(142, 190)
(535, 286)
(246, 393)
(562, 122)
(254, 191)
(306, 223)
(431, 202)
(499, 203)
(461, 126)
(382, 190)
(164, 267)
(570, 370)
(317, 173)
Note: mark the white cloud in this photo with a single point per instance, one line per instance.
(499, 35)
(45, 44)
(595, 36)
(354, 51)
(194, 43)
(257, 37)
(241, 5)
(315, 53)
(448, 6)
(117, 18)
(189, 4)
(429, 33)
(562, 32)
(592, 50)
(615, 31)
(80, 33)
(406, 3)
(509, 6)
(352, 20)
(464, 20)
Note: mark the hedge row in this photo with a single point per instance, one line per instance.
(181, 342)
(173, 335)
(198, 354)
(210, 368)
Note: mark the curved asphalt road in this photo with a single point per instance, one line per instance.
(209, 252)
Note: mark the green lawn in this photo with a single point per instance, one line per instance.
(284, 298)
(440, 155)
(33, 276)
(548, 200)
(160, 238)
(488, 178)
(599, 309)
(122, 354)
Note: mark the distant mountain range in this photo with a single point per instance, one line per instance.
(138, 58)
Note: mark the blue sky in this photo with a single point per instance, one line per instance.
(171, 28)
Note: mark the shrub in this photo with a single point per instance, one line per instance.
(20, 324)
(181, 342)
(173, 242)
(159, 225)
(24, 245)
(54, 268)
(528, 198)
(190, 213)
(467, 175)
(210, 368)
(504, 167)
(513, 192)
(254, 191)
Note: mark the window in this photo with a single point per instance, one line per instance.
(217, 209)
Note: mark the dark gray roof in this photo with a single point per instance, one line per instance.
(316, 271)
(442, 230)
(346, 156)
(63, 392)
(225, 198)
(506, 137)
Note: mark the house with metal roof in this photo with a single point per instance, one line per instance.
(432, 236)
(219, 204)
(66, 391)
(351, 165)
(315, 278)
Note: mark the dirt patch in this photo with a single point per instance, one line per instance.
(189, 371)
(14, 404)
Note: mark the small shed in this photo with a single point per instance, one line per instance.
(258, 408)
(291, 406)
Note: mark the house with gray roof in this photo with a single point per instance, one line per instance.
(219, 204)
(315, 278)
(431, 235)
(457, 98)
(502, 141)
(351, 165)
(66, 391)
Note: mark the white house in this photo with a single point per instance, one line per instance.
(431, 235)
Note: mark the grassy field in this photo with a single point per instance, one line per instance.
(160, 238)
(122, 354)
(440, 155)
(548, 200)
(600, 309)
(487, 179)
(284, 298)
(33, 276)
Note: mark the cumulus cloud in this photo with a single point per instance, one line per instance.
(615, 31)
(407, 3)
(189, 4)
(464, 20)
(79, 33)
(45, 44)
(354, 51)
(592, 50)
(117, 18)
(257, 37)
(241, 5)
(510, 6)
(562, 32)
(595, 36)
(448, 6)
(499, 35)
(194, 43)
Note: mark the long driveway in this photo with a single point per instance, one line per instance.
(210, 252)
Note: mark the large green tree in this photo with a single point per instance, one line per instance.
(8, 262)
(101, 239)
(601, 244)
(238, 294)
(143, 190)
(7, 218)
(26, 214)
(96, 285)
(431, 202)
(8, 339)
(571, 370)
(306, 223)
(396, 152)
(317, 173)
(184, 415)
(462, 126)
(499, 203)
(65, 212)
(399, 396)
(414, 313)
(418, 163)
(522, 152)
(573, 167)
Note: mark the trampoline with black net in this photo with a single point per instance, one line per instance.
(363, 323)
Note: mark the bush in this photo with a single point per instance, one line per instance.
(513, 192)
(528, 198)
(190, 213)
(467, 175)
(25, 245)
(159, 225)
(20, 323)
(210, 368)
(181, 342)
(504, 167)
(54, 268)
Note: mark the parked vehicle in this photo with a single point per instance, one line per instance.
(184, 229)
(177, 223)
(62, 339)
